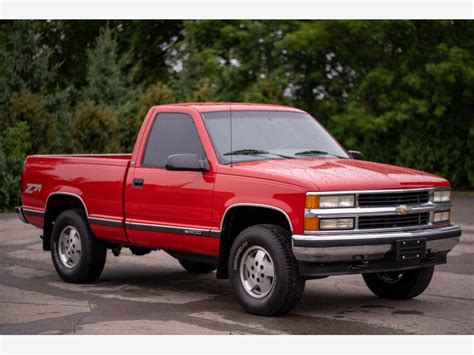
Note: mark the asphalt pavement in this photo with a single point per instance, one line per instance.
(152, 294)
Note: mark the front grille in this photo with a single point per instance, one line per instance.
(375, 222)
(393, 198)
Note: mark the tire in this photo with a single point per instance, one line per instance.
(78, 256)
(399, 285)
(195, 267)
(257, 292)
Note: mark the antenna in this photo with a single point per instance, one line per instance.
(231, 150)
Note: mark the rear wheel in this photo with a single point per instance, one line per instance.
(399, 285)
(78, 256)
(263, 272)
(196, 267)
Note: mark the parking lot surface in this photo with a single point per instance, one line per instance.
(152, 294)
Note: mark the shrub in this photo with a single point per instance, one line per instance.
(94, 129)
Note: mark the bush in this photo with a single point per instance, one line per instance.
(94, 129)
(29, 108)
(14, 145)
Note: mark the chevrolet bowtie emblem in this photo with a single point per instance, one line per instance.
(402, 209)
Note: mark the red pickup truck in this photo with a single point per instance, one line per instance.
(262, 193)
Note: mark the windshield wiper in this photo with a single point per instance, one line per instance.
(255, 152)
(317, 152)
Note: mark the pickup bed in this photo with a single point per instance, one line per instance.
(262, 193)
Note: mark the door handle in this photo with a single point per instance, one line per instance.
(138, 182)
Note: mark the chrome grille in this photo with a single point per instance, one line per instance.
(387, 199)
(393, 221)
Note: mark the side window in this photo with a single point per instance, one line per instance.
(171, 133)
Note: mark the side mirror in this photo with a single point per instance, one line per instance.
(186, 162)
(356, 155)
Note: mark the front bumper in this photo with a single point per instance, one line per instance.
(326, 255)
(369, 246)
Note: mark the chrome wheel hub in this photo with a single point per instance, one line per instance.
(69, 247)
(257, 273)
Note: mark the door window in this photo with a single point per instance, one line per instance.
(172, 133)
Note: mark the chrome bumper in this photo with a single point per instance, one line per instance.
(369, 246)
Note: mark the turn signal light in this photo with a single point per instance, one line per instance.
(312, 201)
(311, 224)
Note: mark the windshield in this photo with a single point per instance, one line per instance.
(259, 135)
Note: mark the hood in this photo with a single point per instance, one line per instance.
(328, 174)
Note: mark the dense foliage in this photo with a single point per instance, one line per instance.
(400, 91)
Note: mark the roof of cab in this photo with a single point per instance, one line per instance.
(236, 106)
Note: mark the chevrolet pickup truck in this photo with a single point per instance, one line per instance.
(261, 193)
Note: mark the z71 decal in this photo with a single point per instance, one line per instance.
(30, 188)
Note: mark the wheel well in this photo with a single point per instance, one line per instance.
(55, 205)
(236, 220)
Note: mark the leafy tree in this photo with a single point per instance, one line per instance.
(414, 110)
(265, 91)
(400, 91)
(29, 108)
(14, 146)
(94, 129)
(156, 94)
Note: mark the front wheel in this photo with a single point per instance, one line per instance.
(399, 285)
(263, 271)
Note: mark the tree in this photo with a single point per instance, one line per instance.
(414, 108)
(107, 81)
(24, 61)
(110, 81)
(94, 129)
(14, 145)
(156, 94)
(30, 109)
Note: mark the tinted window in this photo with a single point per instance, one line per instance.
(276, 134)
(172, 133)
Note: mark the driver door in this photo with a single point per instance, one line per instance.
(165, 209)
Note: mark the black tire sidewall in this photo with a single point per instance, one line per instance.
(411, 284)
(74, 219)
(256, 237)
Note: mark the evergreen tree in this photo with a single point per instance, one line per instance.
(110, 83)
(24, 61)
(109, 74)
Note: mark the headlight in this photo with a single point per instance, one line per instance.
(329, 201)
(336, 223)
(441, 196)
(439, 217)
